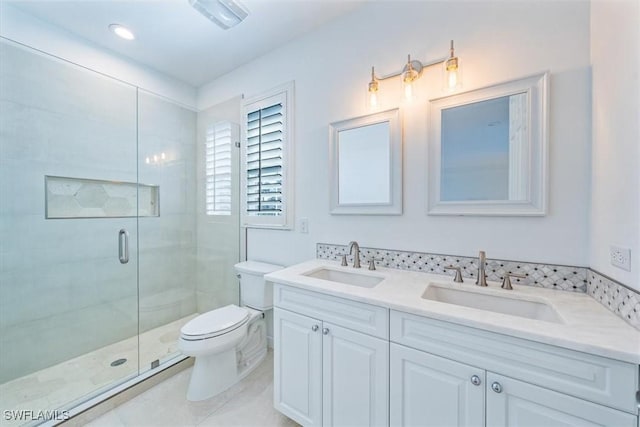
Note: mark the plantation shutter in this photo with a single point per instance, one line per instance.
(264, 161)
(267, 156)
(218, 168)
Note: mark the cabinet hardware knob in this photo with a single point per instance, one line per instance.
(475, 380)
(314, 328)
(325, 331)
(495, 386)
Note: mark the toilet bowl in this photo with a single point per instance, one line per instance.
(229, 342)
(213, 339)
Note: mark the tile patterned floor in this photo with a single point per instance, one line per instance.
(58, 385)
(247, 404)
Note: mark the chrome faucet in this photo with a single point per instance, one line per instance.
(356, 256)
(482, 275)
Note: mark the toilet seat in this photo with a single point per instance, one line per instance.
(215, 323)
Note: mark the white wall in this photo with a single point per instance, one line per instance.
(33, 32)
(615, 197)
(496, 41)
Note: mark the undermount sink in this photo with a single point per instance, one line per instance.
(354, 279)
(529, 309)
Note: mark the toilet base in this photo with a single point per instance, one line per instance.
(203, 385)
(212, 374)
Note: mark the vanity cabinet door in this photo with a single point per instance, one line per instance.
(515, 403)
(427, 390)
(355, 378)
(298, 367)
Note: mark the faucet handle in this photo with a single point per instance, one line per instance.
(372, 263)
(458, 278)
(506, 282)
(344, 261)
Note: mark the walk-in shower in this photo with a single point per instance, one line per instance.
(105, 248)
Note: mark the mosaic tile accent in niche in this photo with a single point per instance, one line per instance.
(566, 278)
(621, 300)
(92, 198)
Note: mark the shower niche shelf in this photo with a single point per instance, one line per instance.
(91, 198)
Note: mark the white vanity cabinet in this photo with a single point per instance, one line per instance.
(522, 404)
(331, 359)
(444, 374)
(430, 391)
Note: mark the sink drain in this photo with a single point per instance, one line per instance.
(118, 362)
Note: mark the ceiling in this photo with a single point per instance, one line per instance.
(175, 39)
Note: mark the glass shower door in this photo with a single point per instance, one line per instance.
(68, 232)
(167, 243)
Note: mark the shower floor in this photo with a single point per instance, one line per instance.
(75, 379)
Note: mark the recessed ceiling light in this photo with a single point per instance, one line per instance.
(122, 31)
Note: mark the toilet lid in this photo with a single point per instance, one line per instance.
(216, 322)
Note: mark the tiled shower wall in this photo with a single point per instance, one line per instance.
(62, 287)
(167, 243)
(619, 299)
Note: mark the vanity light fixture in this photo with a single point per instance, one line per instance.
(452, 70)
(409, 75)
(224, 13)
(412, 71)
(373, 89)
(122, 31)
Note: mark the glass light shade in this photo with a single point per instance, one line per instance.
(373, 91)
(452, 73)
(373, 99)
(408, 77)
(408, 90)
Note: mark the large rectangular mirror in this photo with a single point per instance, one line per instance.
(366, 165)
(488, 150)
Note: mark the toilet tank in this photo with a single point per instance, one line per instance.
(255, 292)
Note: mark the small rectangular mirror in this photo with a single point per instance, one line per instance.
(488, 150)
(366, 165)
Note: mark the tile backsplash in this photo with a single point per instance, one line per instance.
(550, 276)
(620, 300)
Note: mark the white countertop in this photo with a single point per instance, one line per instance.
(587, 325)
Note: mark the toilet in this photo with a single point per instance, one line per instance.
(229, 342)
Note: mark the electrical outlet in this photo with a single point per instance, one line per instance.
(304, 225)
(620, 257)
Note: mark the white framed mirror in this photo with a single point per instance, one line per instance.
(366, 165)
(488, 150)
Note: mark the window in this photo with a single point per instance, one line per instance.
(220, 137)
(267, 160)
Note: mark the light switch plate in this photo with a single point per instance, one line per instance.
(620, 257)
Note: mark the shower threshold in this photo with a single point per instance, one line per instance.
(72, 382)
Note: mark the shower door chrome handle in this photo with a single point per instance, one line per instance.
(123, 246)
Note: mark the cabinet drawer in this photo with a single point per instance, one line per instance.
(598, 379)
(366, 318)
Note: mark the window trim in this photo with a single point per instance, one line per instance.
(284, 94)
